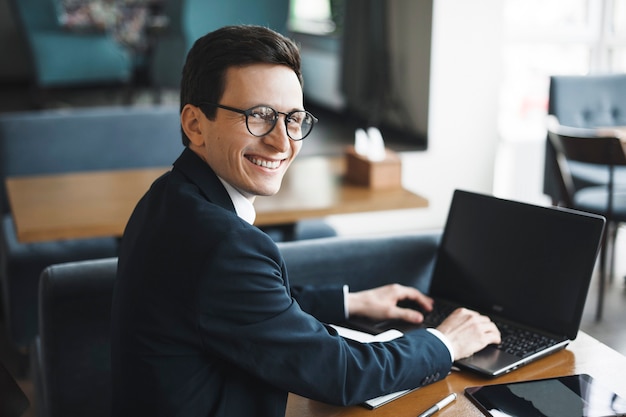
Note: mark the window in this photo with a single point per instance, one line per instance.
(315, 17)
(548, 37)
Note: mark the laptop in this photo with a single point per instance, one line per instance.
(527, 267)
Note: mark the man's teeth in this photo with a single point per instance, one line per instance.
(265, 164)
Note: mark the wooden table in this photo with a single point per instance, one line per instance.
(314, 187)
(93, 204)
(584, 355)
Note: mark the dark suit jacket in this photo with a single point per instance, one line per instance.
(205, 323)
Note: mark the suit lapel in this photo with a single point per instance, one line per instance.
(203, 176)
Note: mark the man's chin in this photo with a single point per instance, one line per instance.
(266, 191)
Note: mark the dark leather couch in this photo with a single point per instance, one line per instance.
(71, 358)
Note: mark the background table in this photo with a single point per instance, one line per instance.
(99, 203)
(583, 355)
(314, 187)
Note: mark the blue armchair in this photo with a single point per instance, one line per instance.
(191, 19)
(586, 101)
(82, 140)
(61, 57)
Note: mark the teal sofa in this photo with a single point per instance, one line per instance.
(59, 141)
(60, 57)
(191, 19)
(87, 139)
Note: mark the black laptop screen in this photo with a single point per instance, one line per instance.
(523, 262)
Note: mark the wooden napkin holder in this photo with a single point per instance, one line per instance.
(386, 173)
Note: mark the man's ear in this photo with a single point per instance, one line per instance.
(190, 122)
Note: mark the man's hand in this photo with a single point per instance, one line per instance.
(382, 303)
(468, 332)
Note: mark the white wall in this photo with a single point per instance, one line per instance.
(465, 77)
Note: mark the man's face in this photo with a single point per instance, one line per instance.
(253, 165)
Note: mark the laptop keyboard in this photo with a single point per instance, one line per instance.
(439, 313)
(514, 340)
(522, 343)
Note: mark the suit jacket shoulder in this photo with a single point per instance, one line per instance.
(203, 322)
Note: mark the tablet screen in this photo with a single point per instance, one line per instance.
(567, 396)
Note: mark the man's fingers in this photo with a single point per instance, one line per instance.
(408, 314)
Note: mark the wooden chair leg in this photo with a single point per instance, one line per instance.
(128, 93)
(613, 243)
(602, 276)
(38, 97)
(157, 95)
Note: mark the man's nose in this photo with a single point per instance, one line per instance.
(278, 137)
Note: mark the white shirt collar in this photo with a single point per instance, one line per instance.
(243, 206)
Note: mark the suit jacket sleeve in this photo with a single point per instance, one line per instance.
(204, 322)
(251, 320)
(326, 303)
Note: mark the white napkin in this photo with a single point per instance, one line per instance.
(369, 144)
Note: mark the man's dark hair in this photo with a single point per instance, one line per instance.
(204, 73)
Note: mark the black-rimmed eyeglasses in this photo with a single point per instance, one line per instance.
(261, 120)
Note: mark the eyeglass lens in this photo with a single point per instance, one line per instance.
(261, 120)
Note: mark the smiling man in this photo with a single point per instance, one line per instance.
(251, 149)
(204, 321)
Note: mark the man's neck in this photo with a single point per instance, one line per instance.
(243, 203)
